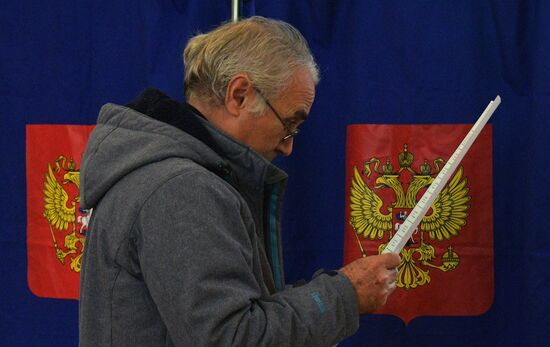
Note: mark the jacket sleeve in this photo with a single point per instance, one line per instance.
(195, 245)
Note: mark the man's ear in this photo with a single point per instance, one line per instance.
(239, 94)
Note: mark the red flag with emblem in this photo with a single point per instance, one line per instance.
(447, 265)
(55, 227)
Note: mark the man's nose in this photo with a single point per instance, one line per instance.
(285, 147)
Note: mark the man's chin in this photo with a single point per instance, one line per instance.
(270, 156)
(267, 155)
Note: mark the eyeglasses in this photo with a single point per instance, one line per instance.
(289, 132)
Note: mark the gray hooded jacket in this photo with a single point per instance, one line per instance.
(183, 248)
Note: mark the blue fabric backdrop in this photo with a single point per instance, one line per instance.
(381, 61)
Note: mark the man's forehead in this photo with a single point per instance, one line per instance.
(295, 101)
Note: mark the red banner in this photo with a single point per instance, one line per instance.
(55, 226)
(447, 265)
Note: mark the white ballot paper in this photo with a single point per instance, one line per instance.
(405, 231)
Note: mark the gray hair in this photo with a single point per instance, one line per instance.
(267, 50)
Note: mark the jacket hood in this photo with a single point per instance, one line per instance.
(153, 128)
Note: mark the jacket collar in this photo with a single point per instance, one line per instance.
(241, 166)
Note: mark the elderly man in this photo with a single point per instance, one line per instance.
(184, 247)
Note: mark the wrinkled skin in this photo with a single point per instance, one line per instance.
(373, 278)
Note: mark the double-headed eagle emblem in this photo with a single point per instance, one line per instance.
(60, 211)
(372, 219)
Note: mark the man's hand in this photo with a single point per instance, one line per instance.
(373, 278)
